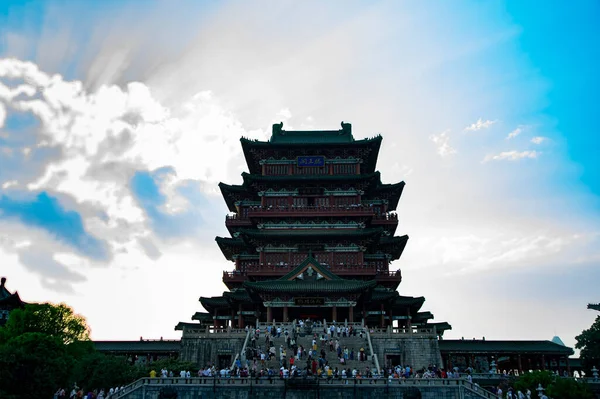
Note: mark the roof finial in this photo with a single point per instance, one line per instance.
(2, 281)
(310, 253)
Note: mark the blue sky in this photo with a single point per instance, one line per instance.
(117, 122)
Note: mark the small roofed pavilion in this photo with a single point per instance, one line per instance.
(8, 302)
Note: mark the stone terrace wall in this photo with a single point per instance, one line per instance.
(279, 392)
(205, 350)
(414, 350)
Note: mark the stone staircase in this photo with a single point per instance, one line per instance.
(305, 339)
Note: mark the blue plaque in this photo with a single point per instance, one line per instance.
(311, 161)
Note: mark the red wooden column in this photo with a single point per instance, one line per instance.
(285, 314)
(334, 313)
(351, 314)
(543, 362)
(240, 318)
(269, 314)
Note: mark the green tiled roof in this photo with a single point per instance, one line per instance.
(422, 316)
(237, 295)
(391, 192)
(281, 136)
(316, 265)
(233, 193)
(440, 327)
(7, 299)
(214, 302)
(282, 141)
(381, 294)
(164, 346)
(309, 287)
(202, 316)
(393, 245)
(485, 346)
(181, 324)
(414, 303)
(230, 246)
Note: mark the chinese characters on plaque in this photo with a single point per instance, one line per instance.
(311, 161)
(309, 301)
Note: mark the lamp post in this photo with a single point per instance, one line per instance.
(540, 391)
(493, 366)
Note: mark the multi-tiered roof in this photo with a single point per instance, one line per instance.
(312, 226)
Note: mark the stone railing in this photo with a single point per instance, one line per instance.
(213, 331)
(415, 331)
(148, 384)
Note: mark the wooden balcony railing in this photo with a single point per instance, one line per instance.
(272, 270)
(342, 210)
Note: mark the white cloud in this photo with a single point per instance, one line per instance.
(102, 137)
(538, 139)
(480, 124)
(2, 115)
(512, 156)
(442, 142)
(514, 133)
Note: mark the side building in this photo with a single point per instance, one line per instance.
(8, 302)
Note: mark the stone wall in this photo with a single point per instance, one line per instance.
(366, 391)
(415, 350)
(205, 350)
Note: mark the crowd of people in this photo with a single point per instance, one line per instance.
(78, 393)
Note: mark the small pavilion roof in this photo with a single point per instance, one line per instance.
(502, 347)
(328, 283)
(8, 299)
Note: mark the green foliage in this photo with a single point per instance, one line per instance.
(96, 370)
(44, 347)
(555, 387)
(531, 380)
(589, 344)
(56, 320)
(569, 389)
(33, 365)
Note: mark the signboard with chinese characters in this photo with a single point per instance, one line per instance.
(309, 301)
(311, 161)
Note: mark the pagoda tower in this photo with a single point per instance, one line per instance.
(312, 237)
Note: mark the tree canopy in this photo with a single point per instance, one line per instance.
(44, 347)
(58, 321)
(589, 344)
